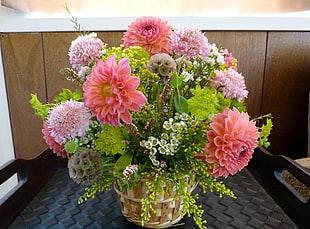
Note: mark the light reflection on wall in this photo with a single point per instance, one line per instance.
(163, 7)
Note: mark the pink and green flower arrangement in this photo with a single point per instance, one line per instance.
(166, 104)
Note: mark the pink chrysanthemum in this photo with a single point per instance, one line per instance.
(68, 120)
(111, 92)
(232, 141)
(55, 146)
(190, 43)
(150, 33)
(84, 50)
(231, 83)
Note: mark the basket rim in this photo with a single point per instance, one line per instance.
(139, 200)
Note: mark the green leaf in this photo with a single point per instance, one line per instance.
(177, 81)
(180, 104)
(71, 147)
(265, 131)
(67, 94)
(123, 161)
(41, 110)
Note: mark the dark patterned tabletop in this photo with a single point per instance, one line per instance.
(56, 207)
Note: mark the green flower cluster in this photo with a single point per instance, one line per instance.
(207, 102)
(110, 141)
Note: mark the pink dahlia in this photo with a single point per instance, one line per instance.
(84, 50)
(55, 146)
(190, 43)
(68, 120)
(150, 33)
(111, 92)
(231, 83)
(232, 141)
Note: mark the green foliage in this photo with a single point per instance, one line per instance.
(73, 19)
(180, 104)
(265, 131)
(41, 110)
(71, 147)
(205, 102)
(95, 188)
(123, 162)
(110, 140)
(177, 81)
(67, 94)
(107, 179)
(194, 210)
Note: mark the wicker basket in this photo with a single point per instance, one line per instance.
(168, 208)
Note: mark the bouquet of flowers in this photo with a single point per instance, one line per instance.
(165, 104)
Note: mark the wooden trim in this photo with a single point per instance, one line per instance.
(33, 175)
(265, 168)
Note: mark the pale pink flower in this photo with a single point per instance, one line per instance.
(231, 83)
(129, 171)
(111, 92)
(68, 120)
(190, 43)
(232, 141)
(84, 50)
(55, 146)
(150, 33)
(230, 60)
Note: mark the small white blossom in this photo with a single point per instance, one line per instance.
(142, 143)
(187, 76)
(162, 142)
(167, 125)
(214, 49)
(184, 116)
(162, 150)
(170, 147)
(156, 163)
(153, 140)
(84, 71)
(173, 135)
(164, 136)
(177, 116)
(174, 142)
(148, 144)
(183, 124)
(220, 59)
(152, 157)
(153, 151)
(193, 123)
(211, 61)
(176, 127)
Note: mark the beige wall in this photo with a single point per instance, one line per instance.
(161, 7)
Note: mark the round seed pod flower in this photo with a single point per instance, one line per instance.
(85, 167)
(162, 64)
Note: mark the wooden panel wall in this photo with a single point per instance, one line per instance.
(249, 49)
(286, 90)
(276, 66)
(24, 74)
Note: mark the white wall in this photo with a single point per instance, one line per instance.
(17, 21)
(6, 142)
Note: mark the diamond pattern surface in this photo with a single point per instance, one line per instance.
(56, 207)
